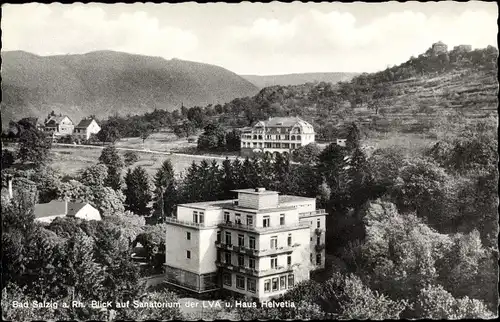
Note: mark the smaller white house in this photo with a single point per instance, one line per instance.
(86, 128)
(46, 212)
(59, 126)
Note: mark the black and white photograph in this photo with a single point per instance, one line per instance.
(249, 161)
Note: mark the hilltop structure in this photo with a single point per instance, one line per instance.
(260, 244)
(439, 47)
(276, 135)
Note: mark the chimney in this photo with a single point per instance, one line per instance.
(10, 189)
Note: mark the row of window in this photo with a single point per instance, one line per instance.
(251, 260)
(241, 240)
(279, 129)
(251, 240)
(270, 285)
(251, 283)
(270, 145)
(266, 220)
(278, 284)
(273, 137)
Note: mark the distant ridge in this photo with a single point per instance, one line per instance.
(298, 78)
(108, 82)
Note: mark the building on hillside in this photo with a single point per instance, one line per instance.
(47, 212)
(59, 126)
(276, 135)
(86, 128)
(260, 244)
(341, 142)
(439, 47)
(463, 48)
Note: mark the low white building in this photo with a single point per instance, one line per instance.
(46, 212)
(86, 128)
(259, 245)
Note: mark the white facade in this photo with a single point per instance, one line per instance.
(88, 213)
(85, 130)
(277, 135)
(59, 126)
(258, 245)
(47, 212)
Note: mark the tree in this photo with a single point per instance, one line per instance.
(434, 302)
(153, 240)
(144, 129)
(109, 132)
(212, 138)
(379, 97)
(165, 192)
(185, 129)
(233, 140)
(348, 298)
(138, 191)
(424, 187)
(353, 137)
(401, 251)
(94, 175)
(8, 158)
(306, 154)
(33, 146)
(113, 160)
(129, 224)
(130, 157)
(196, 116)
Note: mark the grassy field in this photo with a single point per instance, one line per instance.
(161, 141)
(69, 160)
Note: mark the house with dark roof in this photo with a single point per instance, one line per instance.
(46, 212)
(86, 128)
(59, 125)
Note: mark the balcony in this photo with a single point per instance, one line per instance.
(176, 221)
(318, 231)
(257, 252)
(223, 245)
(255, 272)
(262, 230)
(319, 247)
(313, 213)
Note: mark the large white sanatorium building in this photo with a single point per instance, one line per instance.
(276, 135)
(259, 245)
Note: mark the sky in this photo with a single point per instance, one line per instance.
(254, 38)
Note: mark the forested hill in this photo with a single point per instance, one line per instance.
(411, 95)
(298, 78)
(108, 82)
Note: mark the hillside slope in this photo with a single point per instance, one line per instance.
(425, 95)
(107, 82)
(297, 79)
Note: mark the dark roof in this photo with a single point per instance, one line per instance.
(56, 119)
(84, 123)
(57, 207)
(282, 121)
